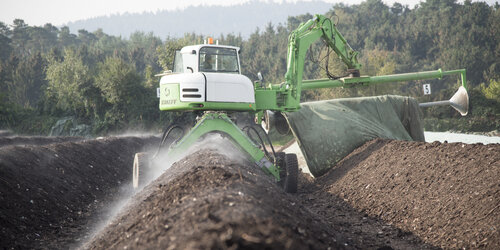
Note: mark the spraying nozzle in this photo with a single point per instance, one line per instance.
(459, 101)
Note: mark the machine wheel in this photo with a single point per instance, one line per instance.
(289, 171)
(141, 165)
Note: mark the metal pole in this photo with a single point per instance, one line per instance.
(437, 103)
(368, 80)
(407, 76)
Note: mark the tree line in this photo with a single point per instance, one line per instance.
(108, 82)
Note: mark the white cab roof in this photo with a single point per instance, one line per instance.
(189, 49)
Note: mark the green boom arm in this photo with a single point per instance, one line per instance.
(299, 42)
(286, 96)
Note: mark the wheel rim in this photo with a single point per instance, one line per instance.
(135, 173)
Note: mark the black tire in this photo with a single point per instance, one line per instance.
(291, 173)
(141, 165)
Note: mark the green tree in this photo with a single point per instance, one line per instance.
(41, 39)
(86, 37)
(492, 91)
(65, 38)
(20, 37)
(5, 42)
(121, 88)
(27, 82)
(68, 81)
(142, 51)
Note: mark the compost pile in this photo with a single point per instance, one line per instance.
(385, 194)
(35, 140)
(49, 194)
(448, 194)
(208, 200)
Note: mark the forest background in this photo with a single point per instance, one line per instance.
(92, 83)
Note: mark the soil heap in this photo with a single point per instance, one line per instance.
(50, 194)
(385, 194)
(448, 194)
(209, 201)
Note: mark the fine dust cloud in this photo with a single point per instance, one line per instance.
(160, 164)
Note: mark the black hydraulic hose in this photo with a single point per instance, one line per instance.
(165, 135)
(248, 128)
(252, 127)
(182, 134)
(268, 139)
(328, 74)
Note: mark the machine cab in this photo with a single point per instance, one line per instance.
(206, 77)
(208, 58)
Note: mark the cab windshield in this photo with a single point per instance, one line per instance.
(178, 62)
(222, 60)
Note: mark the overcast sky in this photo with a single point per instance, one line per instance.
(58, 12)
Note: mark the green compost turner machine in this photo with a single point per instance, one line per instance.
(207, 79)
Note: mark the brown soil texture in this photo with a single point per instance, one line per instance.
(209, 201)
(446, 194)
(386, 194)
(35, 140)
(5, 132)
(49, 193)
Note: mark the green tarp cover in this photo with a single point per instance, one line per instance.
(327, 131)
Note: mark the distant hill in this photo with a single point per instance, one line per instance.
(214, 20)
